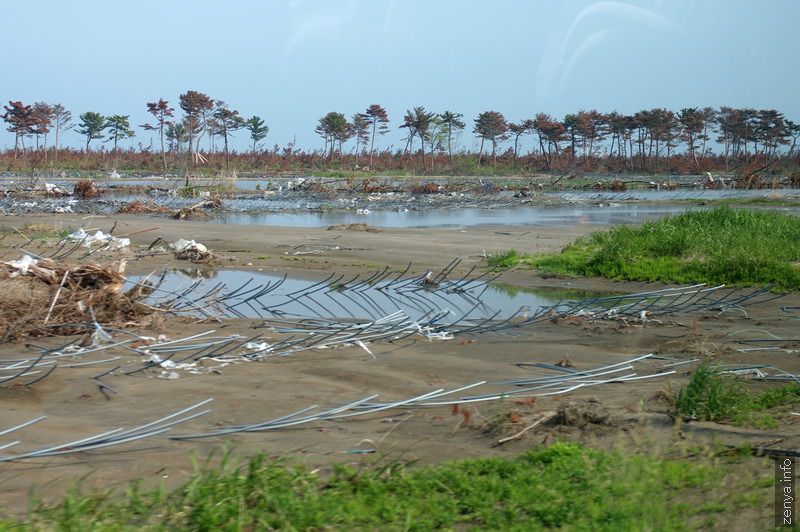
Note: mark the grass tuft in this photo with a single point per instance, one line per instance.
(504, 260)
(715, 396)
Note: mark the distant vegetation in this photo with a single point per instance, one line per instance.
(724, 245)
(691, 140)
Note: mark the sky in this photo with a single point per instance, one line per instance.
(293, 61)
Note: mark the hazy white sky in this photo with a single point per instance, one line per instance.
(293, 61)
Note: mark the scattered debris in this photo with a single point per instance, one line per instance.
(566, 362)
(191, 250)
(87, 240)
(355, 227)
(582, 413)
(196, 210)
(73, 295)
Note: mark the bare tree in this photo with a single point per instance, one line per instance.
(62, 119)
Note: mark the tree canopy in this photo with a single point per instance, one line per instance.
(91, 126)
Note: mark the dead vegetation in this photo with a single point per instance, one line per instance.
(152, 207)
(427, 188)
(143, 207)
(48, 298)
(87, 189)
(354, 227)
(196, 210)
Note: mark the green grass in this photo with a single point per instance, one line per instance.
(504, 260)
(564, 485)
(737, 247)
(714, 396)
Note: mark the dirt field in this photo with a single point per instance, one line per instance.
(617, 414)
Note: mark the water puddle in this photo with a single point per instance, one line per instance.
(607, 214)
(230, 293)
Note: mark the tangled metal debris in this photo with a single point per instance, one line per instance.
(384, 306)
(106, 439)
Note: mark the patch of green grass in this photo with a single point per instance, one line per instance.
(561, 486)
(710, 395)
(262, 257)
(504, 260)
(715, 396)
(737, 247)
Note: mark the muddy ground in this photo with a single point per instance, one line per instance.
(614, 415)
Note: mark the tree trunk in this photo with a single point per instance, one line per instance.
(424, 164)
(449, 148)
(163, 151)
(372, 142)
(227, 160)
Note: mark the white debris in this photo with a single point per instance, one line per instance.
(50, 188)
(23, 264)
(99, 237)
(183, 244)
(363, 346)
(258, 346)
(749, 372)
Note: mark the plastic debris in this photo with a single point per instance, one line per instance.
(23, 264)
(99, 237)
(185, 245)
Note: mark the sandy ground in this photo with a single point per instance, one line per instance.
(633, 413)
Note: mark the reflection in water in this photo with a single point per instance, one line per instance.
(468, 217)
(552, 295)
(352, 297)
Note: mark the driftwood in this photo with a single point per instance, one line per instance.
(71, 295)
(197, 208)
(547, 416)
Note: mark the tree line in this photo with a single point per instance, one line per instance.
(644, 141)
(202, 115)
